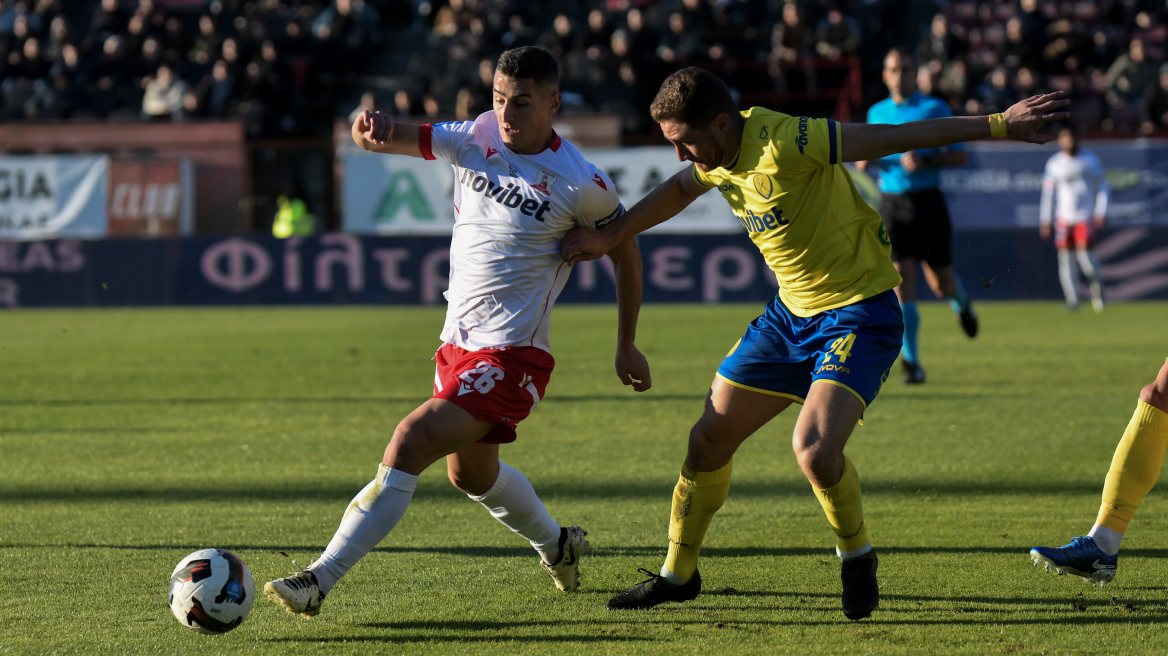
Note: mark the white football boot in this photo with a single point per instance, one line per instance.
(299, 594)
(566, 571)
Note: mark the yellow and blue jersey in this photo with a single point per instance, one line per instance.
(789, 189)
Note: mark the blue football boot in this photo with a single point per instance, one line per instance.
(1082, 557)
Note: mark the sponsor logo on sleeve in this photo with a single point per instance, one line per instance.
(599, 181)
(763, 134)
(616, 214)
(801, 140)
(491, 151)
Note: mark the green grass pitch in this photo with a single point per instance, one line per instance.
(129, 438)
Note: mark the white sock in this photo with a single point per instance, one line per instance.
(513, 501)
(1107, 539)
(848, 555)
(1067, 277)
(668, 575)
(370, 517)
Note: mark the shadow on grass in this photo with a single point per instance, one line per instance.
(383, 638)
(598, 551)
(303, 400)
(659, 492)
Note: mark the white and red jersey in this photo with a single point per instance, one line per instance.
(511, 211)
(1078, 188)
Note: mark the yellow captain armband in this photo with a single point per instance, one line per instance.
(997, 125)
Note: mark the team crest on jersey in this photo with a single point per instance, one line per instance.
(764, 185)
(544, 182)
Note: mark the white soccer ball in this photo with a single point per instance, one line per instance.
(211, 591)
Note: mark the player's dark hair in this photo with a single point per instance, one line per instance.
(530, 63)
(693, 97)
(906, 57)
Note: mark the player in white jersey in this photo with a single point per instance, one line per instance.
(518, 189)
(1074, 193)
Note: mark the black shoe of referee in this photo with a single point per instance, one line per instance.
(968, 320)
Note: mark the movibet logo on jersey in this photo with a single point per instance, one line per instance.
(801, 140)
(760, 222)
(508, 196)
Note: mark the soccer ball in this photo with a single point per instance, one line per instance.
(211, 591)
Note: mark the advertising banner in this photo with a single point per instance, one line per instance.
(343, 268)
(151, 199)
(53, 196)
(999, 188)
(409, 196)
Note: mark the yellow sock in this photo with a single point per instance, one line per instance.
(1135, 467)
(841, 504)
(696, 498)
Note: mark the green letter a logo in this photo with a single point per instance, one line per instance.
(403, 190)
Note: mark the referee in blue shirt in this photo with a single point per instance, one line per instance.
(913, 207)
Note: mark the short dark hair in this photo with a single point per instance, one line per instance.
(693, 97)
(905, 55)
(530, 63)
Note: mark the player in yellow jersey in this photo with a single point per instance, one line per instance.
(1134, 470)
(828, 338)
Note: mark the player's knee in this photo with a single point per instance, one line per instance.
(814, 459)
(408, 439)
(1156, 395)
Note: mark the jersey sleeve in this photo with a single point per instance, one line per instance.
(805, 144)
(1099, 178)
(702, 178)
(599, 204)
(1046, 204)
(443, 140)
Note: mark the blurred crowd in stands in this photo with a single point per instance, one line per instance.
(270, 63)
(286, 67)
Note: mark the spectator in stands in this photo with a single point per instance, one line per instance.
(996, 95)
(837, 36)
(598, 33)
(110, 20)
(220, 89)
(558, 39)
(679, 43)
(164, 95)
(1130, 75)
(1016, 50)
(1154, 115)
(208, 44)
(941, 43)
(928, 78)
(404, 105)
(792, 40)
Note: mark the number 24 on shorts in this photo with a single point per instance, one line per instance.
(842, 347)
(485, 382)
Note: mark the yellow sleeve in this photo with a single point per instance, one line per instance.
(803, 144)
(702, 178)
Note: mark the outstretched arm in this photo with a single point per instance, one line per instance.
(1022, 122)
(664, 202)
(379, 133)
(631, 366)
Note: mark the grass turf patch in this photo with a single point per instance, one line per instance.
(130, 438)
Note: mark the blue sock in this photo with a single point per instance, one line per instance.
(912, 324)
(960, 301)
